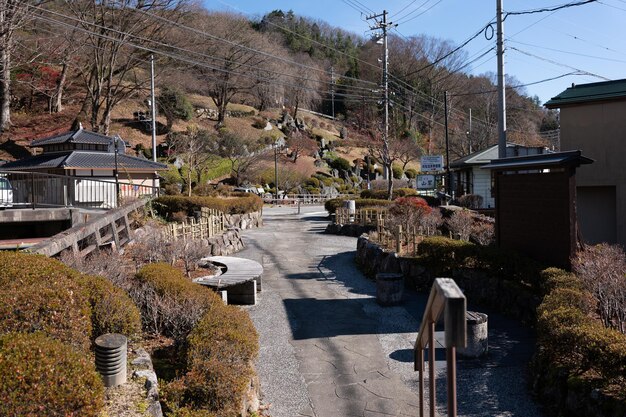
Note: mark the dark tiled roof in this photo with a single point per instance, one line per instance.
(606, 90)
(84, 160)
(78, 136)
(569, 158)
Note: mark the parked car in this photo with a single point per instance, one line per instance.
(6, 193)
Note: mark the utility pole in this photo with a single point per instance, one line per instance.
(332, 91)
(445, 107)
(276, 171)
(469, 132)
(384, 25)
(153, 102)
(501, 86)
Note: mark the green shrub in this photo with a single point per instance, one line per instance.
(166, 205)
(41, 294)
(220, 350)
(112, 310)
(170, 304)
(332, 204)
(225, 333)
(340, 163)
(382, 194)
(42, 377)
(328, 182)
(312, 182)
(410, 173)
(572, 340)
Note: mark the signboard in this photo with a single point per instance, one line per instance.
(425, 182)
(432, 163)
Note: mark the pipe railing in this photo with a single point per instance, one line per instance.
(445, 297)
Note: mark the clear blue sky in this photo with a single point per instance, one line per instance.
(588, 38)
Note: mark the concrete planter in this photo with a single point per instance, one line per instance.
(389, 288)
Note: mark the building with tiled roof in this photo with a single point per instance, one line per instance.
(91, 161)
(592, 119)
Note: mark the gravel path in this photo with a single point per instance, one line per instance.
(327, 348)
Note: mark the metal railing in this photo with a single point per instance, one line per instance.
(36, 189)
(445, 297)
(295, 199)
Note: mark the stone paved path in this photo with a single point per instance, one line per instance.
(327, 348)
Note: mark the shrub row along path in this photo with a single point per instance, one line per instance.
(328, 350)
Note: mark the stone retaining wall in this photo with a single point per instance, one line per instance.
(245, 221)
(505, 296)
(227, 243)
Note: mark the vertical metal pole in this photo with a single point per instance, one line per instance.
(386, 87)
(276, 170)
(32, 189)
(445, 106)
(501, 85)
(431, 366)
(153, 101)
(332, 90)
(469, 136)
(451, 371)
(117, 181)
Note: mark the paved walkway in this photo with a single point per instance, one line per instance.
(327, 348)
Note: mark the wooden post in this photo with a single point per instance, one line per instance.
(399, 240)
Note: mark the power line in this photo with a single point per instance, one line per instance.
(518, 85)
(582, 72)
(418, 15)
(549, 9)
(191, 61)
(569, 52)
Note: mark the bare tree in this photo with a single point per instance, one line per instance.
(13, 15)
(236, 54)
(243, 154)
(116, 33)
(194, 148)
(303, 90)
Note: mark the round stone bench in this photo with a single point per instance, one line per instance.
(239, 281)
(477, 335)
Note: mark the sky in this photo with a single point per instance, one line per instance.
(586, 39)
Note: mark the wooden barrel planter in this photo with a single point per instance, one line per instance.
(389, 288)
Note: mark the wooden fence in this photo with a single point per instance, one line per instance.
(364, 217)
(396, 238)
(212, 223)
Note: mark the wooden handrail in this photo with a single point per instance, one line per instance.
(445, 297)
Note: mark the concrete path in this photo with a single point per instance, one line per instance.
(327, 348)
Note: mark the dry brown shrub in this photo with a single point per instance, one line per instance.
(602, 269)
(460, 223)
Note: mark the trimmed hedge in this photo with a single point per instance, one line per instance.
(444, 255)
(219, 361)
(333, 204)
(112, 310)
(42, 377)
(170, 204)
(170, 304)
(39, 294)
(577, 355)
(43, 294)
(383, 195)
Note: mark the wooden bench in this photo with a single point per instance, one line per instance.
(240, 279)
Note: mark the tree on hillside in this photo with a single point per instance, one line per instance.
(114, 66)
(13, 15)
(174, 105)
(242, 153)
(303, 89)
(193, 147)
(236, 56)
